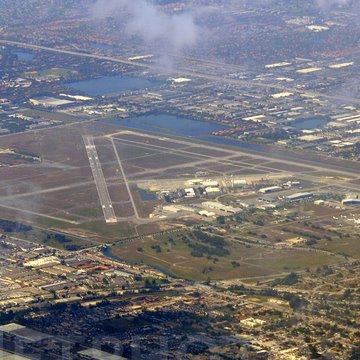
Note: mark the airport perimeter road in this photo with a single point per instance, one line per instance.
(99, 179)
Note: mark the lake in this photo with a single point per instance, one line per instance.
(112, 85)
(237, 143)
(180, 126)
(169, 124)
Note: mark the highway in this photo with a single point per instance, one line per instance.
(72, 53)
(183, 71)
(100, 181)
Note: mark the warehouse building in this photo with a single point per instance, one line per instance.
(13, 332)
(269, 190)
(212, 190)
(190, 193)
(209, 183)
(299, 196)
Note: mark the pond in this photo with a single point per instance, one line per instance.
(147, 195)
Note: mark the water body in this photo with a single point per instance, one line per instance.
(237, 143)
(147, 195)
(165, 124)
(169, 124)
(309, 124)
(108, 253)
(180, 126)
(112, 85)
(24, 56)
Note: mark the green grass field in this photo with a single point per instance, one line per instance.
(347, 245)
(175, 258)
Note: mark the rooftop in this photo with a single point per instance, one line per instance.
(100, 355)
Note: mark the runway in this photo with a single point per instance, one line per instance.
(99, 179)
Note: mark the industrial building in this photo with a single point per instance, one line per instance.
(269, 190)
(220, 207)
(13, 332)
(46, 261)
(47, 101)
(299, 196)
(355, 201)
(190, 193)
(209, 183)
(239, 183)
(206, 213)
(25, 341)
(212, 190)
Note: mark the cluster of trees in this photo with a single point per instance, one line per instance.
(150, 283)
(157, 248)
(73, 247)
(57, 237)
(13, 226)
(213, 240)
(215, 245)
(199, 250)
(288, 280)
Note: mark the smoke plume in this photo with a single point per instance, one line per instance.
(167, 33)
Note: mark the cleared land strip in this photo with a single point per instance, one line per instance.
(99, 179)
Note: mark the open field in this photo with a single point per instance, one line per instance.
(60, 192)
(173, 255)
(348, 245)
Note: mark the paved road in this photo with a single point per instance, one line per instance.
(72, 53)
(100, 181)
(183, 71)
